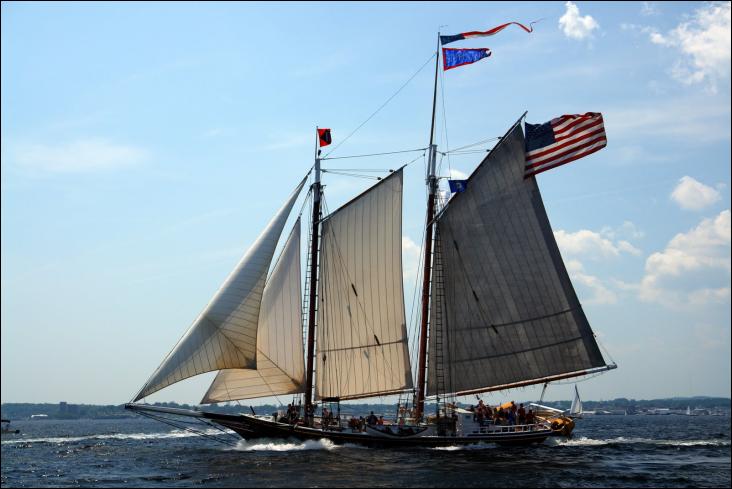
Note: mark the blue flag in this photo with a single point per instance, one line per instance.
(452, 58)
(457, 186)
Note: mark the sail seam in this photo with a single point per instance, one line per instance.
(386, 343)
(520, 321)
(516, 352)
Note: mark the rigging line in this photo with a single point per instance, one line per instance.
(354, 175)
(304, 202)
(599, 343)
(364, 170)
(470, 152)
(482, 141)
(374, 154)
(414, 313)
(382, 105)
(180, 425)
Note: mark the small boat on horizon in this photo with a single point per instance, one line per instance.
(7, 430)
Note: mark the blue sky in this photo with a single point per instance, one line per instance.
(145, 146)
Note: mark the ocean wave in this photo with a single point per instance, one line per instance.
(457, 448)
(273, 445)
(115, 436)
(583, 441)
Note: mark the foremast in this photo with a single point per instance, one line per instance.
(432, 185)
(312, 304)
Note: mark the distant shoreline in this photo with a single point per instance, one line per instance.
(700, 405)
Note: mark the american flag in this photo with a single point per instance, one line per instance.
(561, 140)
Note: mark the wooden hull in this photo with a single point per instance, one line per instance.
(250, 427)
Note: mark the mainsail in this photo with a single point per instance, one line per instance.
(280, 357)
(504, 312)
(361, 333)
(224, 335)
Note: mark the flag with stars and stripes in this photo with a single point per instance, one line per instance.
(562, 140)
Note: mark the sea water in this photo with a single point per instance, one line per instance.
(605, 451)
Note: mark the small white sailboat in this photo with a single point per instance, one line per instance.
(575, 411)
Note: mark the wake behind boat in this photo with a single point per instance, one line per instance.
(498, 308)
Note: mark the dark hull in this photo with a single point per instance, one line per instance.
(250, 427)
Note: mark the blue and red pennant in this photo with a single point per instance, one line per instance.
(469, 35)
(452, 58)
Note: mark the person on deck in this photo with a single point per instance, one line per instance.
(521, 414)
(530, 418)
(372, 419)
(325, 418)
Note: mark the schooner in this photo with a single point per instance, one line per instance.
(498, 311)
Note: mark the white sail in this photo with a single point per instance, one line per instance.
(576, 407)
(224, 335)
(504, 312)
(361, 333)
(280, 358)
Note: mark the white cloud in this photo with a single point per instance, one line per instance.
(694, 269)
(81, 156)
(649, 8)
(574, 25)
(626, 230)
(456, 174)
(691, 194)
(600, 293)
(591, 244)
(703, 43)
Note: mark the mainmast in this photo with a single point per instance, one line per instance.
(431, 195)
(315, 233)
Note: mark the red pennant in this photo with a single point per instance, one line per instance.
(324, 137)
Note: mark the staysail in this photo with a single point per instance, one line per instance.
(504, 312)
(280, 358)
(224, 335)
(361, 332)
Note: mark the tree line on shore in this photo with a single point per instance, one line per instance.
(65, 410)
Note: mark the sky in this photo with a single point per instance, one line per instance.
(146, 145)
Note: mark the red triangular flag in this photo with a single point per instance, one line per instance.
(324, 137)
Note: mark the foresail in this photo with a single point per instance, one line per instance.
(224, 335)
(504, 312)
(361, 333)
(280, 358)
